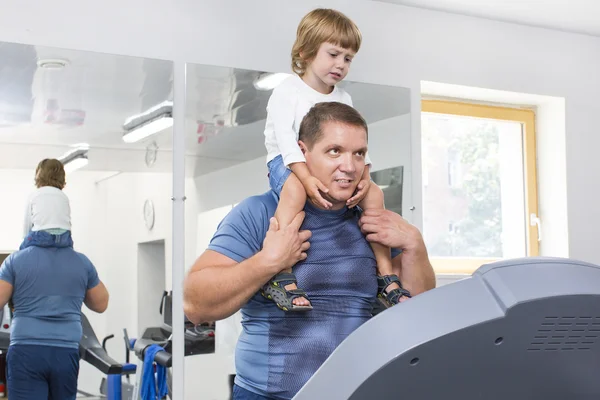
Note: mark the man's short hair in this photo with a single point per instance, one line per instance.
(310, 127)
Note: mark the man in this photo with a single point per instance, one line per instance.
(48, 281)
(278, 352)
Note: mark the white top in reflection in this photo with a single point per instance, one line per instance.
(48, 208)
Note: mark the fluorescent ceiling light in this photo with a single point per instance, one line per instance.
(150, 122)
(76, 163)
(74, 159)
(148, 129)
(166, 107)
(270, 81)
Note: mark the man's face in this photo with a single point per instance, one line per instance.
(337, 159)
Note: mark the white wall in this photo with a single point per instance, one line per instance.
(402, 46)
(16, 186)
(415, 45)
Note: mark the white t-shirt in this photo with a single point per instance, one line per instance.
(288, 104)
(47, 208)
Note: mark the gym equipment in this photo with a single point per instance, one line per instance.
(198, 340)
(519, 329)
(92, 352)
(5, 321)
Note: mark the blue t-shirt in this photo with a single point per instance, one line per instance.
(49, 281)
(278, 352)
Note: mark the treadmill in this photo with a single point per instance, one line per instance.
(5, 321)
(518, 329)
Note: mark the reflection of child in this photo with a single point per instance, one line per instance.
(325, 45)
(48, 207)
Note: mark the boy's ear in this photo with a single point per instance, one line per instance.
(303, 146)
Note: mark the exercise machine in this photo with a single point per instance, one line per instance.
(519, 329)
(95, 354)
(113, 387)
(199, 339)
(5, 322)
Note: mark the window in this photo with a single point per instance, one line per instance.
(479, 163)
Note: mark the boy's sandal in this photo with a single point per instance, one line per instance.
(391, 298)
(275, 290)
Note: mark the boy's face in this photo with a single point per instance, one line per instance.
(330, 66)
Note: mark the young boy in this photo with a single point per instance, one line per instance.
(48, 207)
(326, 43)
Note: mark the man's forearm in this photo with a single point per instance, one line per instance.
(414, 269)
(216, 292)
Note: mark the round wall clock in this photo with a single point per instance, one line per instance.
(149, 214)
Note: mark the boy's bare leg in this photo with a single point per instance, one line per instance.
(291, 202)
(375, 200)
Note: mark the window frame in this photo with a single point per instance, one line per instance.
(526, 117)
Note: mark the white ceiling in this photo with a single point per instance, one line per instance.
(44, 112)
(578, 16)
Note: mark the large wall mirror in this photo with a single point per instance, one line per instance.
(225, 121)
(108, 118)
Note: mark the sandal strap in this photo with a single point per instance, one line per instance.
(384, 281)
(394, 295)
(294, 293)
(284, 277)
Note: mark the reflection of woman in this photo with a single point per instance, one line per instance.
(48, 281)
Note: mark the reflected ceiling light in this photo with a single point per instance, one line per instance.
(52, 63)
(81, 146)
(76, 163)
(270, 81)
(148, 123)
(75, 159)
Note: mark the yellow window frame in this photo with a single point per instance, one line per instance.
(459, 265)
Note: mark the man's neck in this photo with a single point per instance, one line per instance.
(336, 206)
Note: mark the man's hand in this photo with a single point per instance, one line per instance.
(362, 190)
(389, 229)
(412, 266)
(312, 186)
(282, 248)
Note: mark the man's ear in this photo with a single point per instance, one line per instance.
(303, 146)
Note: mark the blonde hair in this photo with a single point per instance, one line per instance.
(322, 26)
(50, 172)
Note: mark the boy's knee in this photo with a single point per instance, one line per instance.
(294, 187)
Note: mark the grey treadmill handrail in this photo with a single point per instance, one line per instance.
(487, 299)
(163, 358)
(91, 351)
